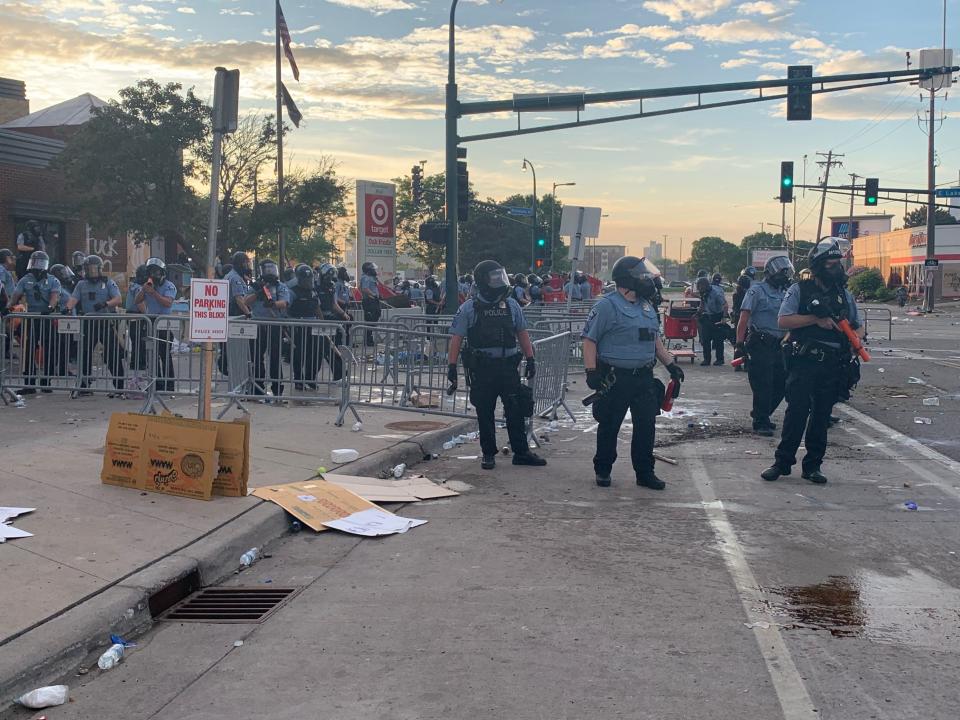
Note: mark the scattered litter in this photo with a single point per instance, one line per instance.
(374, 522)
(922, 421)
(8, 532)
(398, 470)
(449, 445)
(467, 457)
(752, 452)
(238, 643)
(762, 624)
(82, 670)
(250, 557)
(45, 697)
(506, 450)
(112, 657)
(412, 488)
(344, 455)
(910, 505)
(880, 370)
(899, 396)
(932, 402)
(906, 484)
(357, 426)
(425, 400)
(19, 404)
(664, 458)
(321, 470)
(295, 525)
(915, 381)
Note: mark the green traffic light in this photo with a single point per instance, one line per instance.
(787, 181)
(541, 242)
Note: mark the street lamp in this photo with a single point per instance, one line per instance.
(553, 207)
(533, 230)
(452, 143)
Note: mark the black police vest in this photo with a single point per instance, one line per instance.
(494, 327)
(327, 297)
(305, 303)
(835, 299)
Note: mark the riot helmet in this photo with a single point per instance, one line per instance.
(750, 271)
(65, 275)
(93, 268)
(703, 285)
(431, 282)
(38, 264)
(140, 276)
(4, 254)
(701, 273)
(579, 277)
(534, 280)
(636, 274)
(717, 279)
(76, 260)
(778, 271)
(241, 263)
(369, 268)
(826, 262)
(342, 274)
(520, 280)
(468, 279)
(304, 276)
(493, 284)
(269, 272)
(156, 270)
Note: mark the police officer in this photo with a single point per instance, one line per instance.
(156, 296)
(64, 346)
(713, 307)
(432, 296)
(41, 291)
(496, 332)
(621, 346)
(96, 294)
(304, 305)
(268, 300)
(744, 282)
(240, 277)
(574, 288)
(536, 289)
(7, 264)
(29, 241)
(818, 356)
(344, 296)
(370, 296)
(520, 286)
(758, 338)
(138, 339)
(331, 311)
(76, 262)
(586, 292)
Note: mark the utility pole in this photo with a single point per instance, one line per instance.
(853, 190)
(931, 200)
(828, 163)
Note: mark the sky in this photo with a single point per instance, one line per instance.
(372, 74)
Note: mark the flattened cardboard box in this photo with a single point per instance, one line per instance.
(314, 502)
(122, 462)
(233, 446)
(179, 460)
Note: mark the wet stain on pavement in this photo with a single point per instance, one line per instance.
(833, 605)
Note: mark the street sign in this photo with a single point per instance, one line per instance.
(578, 224)
(520, 211)
(209, 303)
(948, 192)
(931, 262)
(376, 227)
(760, 256)
(929, 274)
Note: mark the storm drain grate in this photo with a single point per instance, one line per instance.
(231, 604)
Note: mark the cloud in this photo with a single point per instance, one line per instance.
(653, 32)
(677, 47)
(186, 10)
(235, 11)
(761, 7)
(378, 7)
(622, 47)
(739, 31)
(810, 46)
(737, 63)
(692, 137)
(143, 10)
(677, 10)
(586, 33)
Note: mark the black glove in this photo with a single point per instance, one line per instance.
(531, 369)
(46, 311)
(594, 379)
(676, 373)
(820, 309)
(270, 303)
(452, 373)
(739, 350)
(99, 306)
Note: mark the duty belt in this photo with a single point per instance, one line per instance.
(644, 370)
(816, 352)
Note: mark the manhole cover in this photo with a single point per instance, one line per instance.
(416, 425)
(231, 604)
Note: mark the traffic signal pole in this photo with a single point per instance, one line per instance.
(452, 141)
(929, 292)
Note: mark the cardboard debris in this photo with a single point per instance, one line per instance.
(8, 532)
(410, 489)
(314, 502)
(425, 400)
(374, 523)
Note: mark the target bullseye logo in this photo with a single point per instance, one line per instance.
(379, 210)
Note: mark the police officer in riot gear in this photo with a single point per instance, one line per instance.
(433, 296)
(370, 296)
(758, 338)
(156, 296)
(64, 346)
(621, 346)
(41, 291)
(76, 261)
(96, 294)
(268, 300)
(496, 333)
(28, 242)
(818, 359)
(520, 286)
(713, 307)
(138, 340)
(536, 289)
(304, 305)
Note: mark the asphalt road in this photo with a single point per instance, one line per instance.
(536, 594)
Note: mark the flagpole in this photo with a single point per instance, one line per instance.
(281, 245)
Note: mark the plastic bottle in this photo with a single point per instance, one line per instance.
(357, 426)
(473, 435)
(399, 470)
(448, 445)
(111, 657)
(249, 557)
(49, 696)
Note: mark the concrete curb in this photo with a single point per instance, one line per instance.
(56, 648)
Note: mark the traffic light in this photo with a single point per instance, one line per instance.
(416, 184)
(800, 97)
(541, 249)
(463, 191)
(871, 191)
(786, 181)
(538, 263)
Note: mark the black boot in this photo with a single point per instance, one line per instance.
(814, 476)
(774, 472)
(529, 458)
(651, 481)
(489, 462)
(603, 480)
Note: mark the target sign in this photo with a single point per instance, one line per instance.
(379, 216)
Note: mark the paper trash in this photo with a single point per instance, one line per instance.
(8, 532)
(373, 523)
(412, 488)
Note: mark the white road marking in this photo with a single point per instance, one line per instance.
(791, 691)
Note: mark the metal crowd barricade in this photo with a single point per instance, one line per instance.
(571, 325)
(77, 354)
(885, 315)
(550, 382)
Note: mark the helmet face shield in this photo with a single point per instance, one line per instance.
(39, 261)
(269, 271)
(498, 279)
(779, 264)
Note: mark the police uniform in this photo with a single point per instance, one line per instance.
(38, 333)
(92, 297)
(371, 305)
(165, 337)
(239, 288)
(519, 294)
(8, 281)
(432, 297)
(269, 337)
(138, 341)
(625, 334)
(536, 294)
(711, 312)
(304, 305)
(574, 291)
(492, 360)
(817, 365)
(765, 370)
(344, 296)
(330, 312)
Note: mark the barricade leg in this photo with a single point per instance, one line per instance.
(165, 381)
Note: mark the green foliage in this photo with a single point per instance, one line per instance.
(884, 294)
(867, 282)
(918, 217)
(762, 240)
(129, 165)
(716, 255)
(409, 219)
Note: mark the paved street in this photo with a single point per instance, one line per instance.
(538, 595)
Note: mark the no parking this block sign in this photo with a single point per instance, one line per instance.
(209, 306)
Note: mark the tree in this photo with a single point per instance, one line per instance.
(409, 219)
(918, 217)
(128, 167)
(714, 254)
(762, 240)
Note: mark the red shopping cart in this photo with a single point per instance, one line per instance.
(680, 326)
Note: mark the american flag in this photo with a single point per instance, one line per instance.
(285, 38)
(295, 115)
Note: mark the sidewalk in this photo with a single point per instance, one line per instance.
(95, 545)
